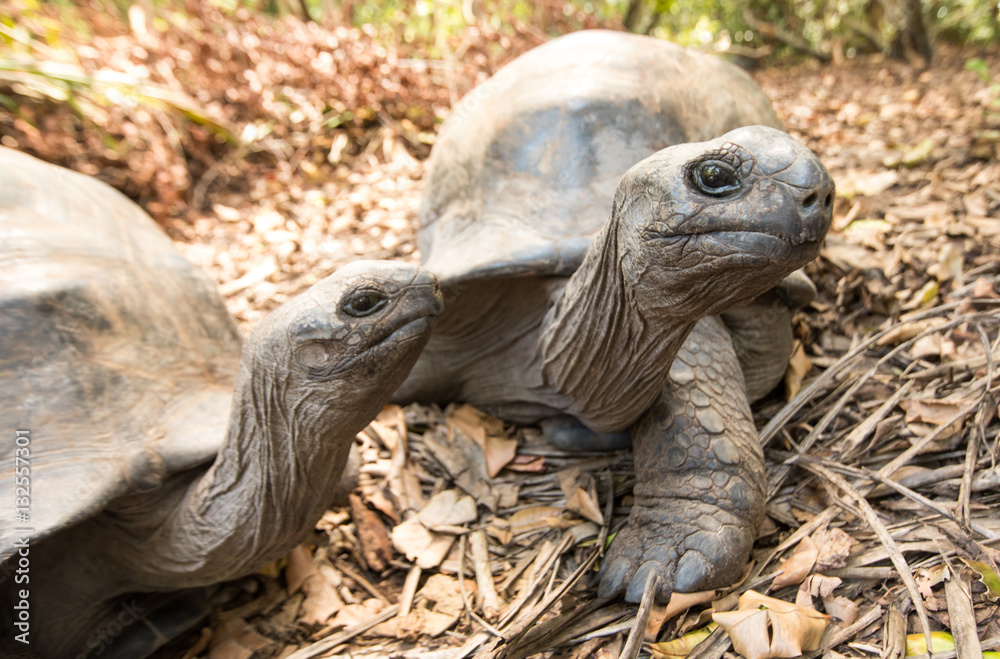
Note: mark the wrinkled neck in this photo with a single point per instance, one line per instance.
(276, 474)
(285, 450)
(605, 352)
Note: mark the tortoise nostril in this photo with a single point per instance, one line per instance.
(828, 202)
(810, 201)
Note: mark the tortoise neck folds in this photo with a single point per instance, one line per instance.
(605, 353)
(276, 474)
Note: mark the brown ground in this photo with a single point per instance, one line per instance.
(894, 498)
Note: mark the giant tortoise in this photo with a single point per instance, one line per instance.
(150, 455)
(583, 209)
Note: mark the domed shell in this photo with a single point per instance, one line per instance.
(525, 167)
(117, 355)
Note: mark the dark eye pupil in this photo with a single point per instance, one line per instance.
(714, 177)
(364, 302)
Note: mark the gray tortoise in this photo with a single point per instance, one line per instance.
(159, 458)
(583, 209)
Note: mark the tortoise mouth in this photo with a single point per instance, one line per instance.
(413, 330)
(744, 235)
(389, 348)
(758, 247)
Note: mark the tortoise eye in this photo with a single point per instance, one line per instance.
(364, 303)
(715, 178)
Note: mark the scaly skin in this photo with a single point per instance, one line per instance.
(699, 494)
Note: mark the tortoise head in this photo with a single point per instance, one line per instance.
(708, 226)
(347, 342)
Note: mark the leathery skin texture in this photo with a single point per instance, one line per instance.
(699, 494)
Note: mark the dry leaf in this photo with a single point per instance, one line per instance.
(383, 504)
(906, 331)
(747, 630)
(834, 547)
(321, 600)
(423, 623)
(580, 491)
(488, 432)
(421, 546)
(353, 614)
(919, 154)
(300, 566)
(235, 639)
(927, 346)
(929, 577)
(388, 435)
(533, 518)
(393, 417)
(795, 631)
(841, 608)
(289, 611)
(609, 650)
(507, 494)
(372, 535)
(500, 529)
(463, 460)
(582, 531)
(816, 585)
(528, 464)
(443, 592)
(865, 182)
(797, 567)
(949, 264)
(677, 604)
(448, 508)
(680, 602)
(983, 287)
(934, 412)
(794, 628)
(848, 256)
(798, 366)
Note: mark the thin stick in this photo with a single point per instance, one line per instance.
(634, 643)
(484, 575)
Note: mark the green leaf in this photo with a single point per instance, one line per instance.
(988, 576)
(940, 642)
(979, 67)
(682, 646)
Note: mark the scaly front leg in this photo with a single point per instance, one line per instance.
(700, 485)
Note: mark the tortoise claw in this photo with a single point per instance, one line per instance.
(705, 547)
(613, 576)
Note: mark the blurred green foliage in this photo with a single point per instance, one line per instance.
(817, 26)
(956, 21)
(982, 69)
(851, 25)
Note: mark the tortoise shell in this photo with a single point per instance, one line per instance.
(118, 355)
(525, 167)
